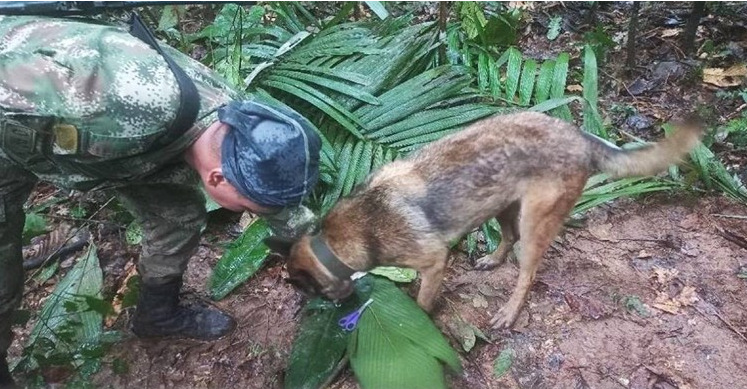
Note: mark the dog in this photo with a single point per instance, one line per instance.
(526, 169)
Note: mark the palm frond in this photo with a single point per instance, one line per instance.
(592, 119)
(513, 72)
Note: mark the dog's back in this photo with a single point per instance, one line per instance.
(454, 184)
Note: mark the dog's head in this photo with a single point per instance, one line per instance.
(306, 272)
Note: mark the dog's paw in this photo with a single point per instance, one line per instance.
(486, 263)
(504, 319)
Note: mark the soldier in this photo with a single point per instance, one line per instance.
(89, 106)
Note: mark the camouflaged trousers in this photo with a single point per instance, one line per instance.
(172, 217)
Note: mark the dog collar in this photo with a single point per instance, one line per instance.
(329, 260)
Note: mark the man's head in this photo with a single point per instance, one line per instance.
(259, 158)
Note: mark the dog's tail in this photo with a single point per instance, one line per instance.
(647, 160)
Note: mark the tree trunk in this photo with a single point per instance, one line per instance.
(688, 38)
(632, 35)
(443, 14)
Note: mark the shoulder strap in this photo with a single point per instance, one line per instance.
(189, 99)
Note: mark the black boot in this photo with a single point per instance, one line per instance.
(6, 381)
(158, 314)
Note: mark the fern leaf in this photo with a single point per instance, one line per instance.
(557, 89)
(592, 120)
(316, 98)
(513, 73)
(544, 80)
(528, 76)
(331, 84)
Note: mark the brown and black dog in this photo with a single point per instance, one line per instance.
(525, 169)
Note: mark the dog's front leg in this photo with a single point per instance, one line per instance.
(431, 278)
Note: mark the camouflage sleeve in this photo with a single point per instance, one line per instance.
(292, 222)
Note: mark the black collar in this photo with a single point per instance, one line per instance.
(328, 259)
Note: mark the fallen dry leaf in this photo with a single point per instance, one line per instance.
(525, 5)
(489, 290)
(575, 88)
(463, 333)
(479, 301)
(131, 271)
(589, 308)
(688, 296)
(669, 32)
(732, 76)
(602, 232)
(664, 303)
(663, 276)
(246, 219)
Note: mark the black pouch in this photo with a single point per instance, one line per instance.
(24, 139)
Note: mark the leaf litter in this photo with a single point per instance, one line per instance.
(258, 372)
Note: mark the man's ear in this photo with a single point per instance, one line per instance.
(279, 245)
(215, 177)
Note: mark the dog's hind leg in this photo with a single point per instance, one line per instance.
(509, 222)
(543, 211)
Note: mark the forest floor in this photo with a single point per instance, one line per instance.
(645, 293)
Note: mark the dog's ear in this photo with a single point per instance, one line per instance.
(279, 245)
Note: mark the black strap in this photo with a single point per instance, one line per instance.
(189, 99)
(329, 259)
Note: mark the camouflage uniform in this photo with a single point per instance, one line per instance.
(81, 103)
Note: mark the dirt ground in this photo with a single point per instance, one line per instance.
(575, 333)
(644, 294)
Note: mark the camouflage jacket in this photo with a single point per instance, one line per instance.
(80, 101)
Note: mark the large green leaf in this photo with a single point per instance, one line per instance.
(320, 342)
(241, 260)
(396, 344)
(68, 321)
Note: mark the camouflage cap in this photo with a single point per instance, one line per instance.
(270, 153)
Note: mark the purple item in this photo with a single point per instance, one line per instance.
(349, 322)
